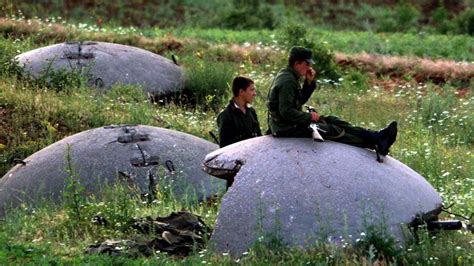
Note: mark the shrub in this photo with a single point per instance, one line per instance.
(325, 65)
(207, 84)
(386, 21)
(8, 65)
(403, 17)
(440, 18)
(249, 15)
(407, 16)
(465, 22)
(62, 79)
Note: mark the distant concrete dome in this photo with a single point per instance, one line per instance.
(305, 191)
(107, 64)
(141, 156)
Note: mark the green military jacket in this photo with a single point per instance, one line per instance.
(235, 126)
(286, 99)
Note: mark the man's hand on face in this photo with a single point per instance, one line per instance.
(310, 75)
(314, 117)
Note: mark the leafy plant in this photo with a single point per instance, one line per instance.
(376, 243)
(61, 79)
(73, 198)
(442, 20)
(249, 15)
(356, 81)
(465, 22)
(324, 57)
(8, 65)
(407, 16)
(114, 208)
(207, 84)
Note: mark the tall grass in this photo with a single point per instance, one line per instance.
(207, 84)
(439, 161)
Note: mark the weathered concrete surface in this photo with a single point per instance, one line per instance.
(305, 191)
(138, 155)
(106, 64)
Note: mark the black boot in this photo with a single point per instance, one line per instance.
(368, 137)
(385, 138)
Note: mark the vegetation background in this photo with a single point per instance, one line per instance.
(441, 16)
(377, 61)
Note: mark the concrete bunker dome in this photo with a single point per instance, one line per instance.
(304, 192)
(110, 154)
(106, 64)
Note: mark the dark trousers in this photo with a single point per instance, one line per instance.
(336, 130)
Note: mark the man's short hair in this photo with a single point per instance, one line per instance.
(240, 83)
(292, 61)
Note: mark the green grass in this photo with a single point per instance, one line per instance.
(457, 47)
(372, 108)
(436, 139)
(160, 40)
(454, 47)
(379, 16)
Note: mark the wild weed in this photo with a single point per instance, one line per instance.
(73, 198)
(207, 84)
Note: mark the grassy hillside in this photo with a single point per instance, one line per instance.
(446, 17)
(435, 119)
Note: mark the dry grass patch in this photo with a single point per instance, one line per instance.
(422, 70)
(44, 32)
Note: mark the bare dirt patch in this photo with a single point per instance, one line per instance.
(5, 124)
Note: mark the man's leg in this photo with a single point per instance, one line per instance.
(342, 131)
(299, 131)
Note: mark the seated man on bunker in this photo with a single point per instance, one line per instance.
(287, 119)
(238, 121)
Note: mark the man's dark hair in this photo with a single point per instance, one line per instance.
(292, 61)
(240, 83)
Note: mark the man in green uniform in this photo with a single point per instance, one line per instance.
(238, 121)
(286, 118)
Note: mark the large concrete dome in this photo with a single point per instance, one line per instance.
(107, 64)
(305, 191)
(142, 156)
